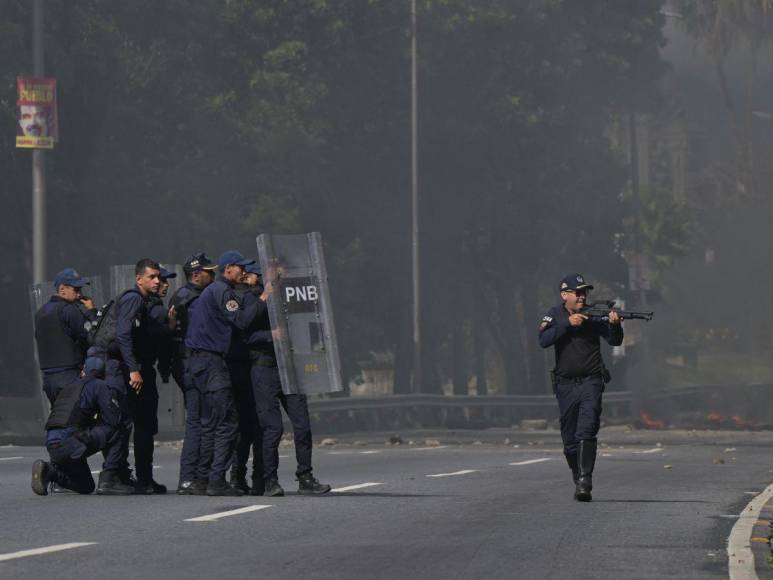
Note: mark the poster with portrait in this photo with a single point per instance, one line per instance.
(37, 125)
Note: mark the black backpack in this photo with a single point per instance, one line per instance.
(102, 331)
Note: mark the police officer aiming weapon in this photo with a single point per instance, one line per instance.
(600, 311)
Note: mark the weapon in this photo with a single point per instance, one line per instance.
(600, 311)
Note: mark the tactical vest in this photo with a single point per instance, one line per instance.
(56, 349)
(181, 306)
(67, 411)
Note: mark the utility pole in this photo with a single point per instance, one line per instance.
(39, 266)
(415, 210)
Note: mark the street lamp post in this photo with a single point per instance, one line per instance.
(38, 159)
(415, 210)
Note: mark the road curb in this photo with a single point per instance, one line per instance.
(748, 546)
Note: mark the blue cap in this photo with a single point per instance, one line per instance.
(233, 258)
(254, 269)
(70, 277)
(574, 282)
(94, 365)
(165, 274)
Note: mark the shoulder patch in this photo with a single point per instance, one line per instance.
(547, 319)
(232, 306)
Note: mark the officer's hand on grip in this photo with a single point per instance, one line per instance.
(135, 380)
(615, 318)
(87, 302)
(577, 319)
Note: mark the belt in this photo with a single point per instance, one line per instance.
(194, 352)
(577, 380)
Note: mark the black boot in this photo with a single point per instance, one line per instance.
(149, 487)
(308, 485)
(586, 457)
(110, 483)
(217, 488)
(239, 480)
(195, 487)
(258, 486)
(271, 488)
(41, 477)
(571, 460)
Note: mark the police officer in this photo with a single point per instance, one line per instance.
(250, 433)
(217, 312)
(85, 419)
(199, 273)
(143, 404)
(61, 332)
(579, 375)
(123, 371)
(270, 400)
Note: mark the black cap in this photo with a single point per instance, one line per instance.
(198, 262)
(574, 282)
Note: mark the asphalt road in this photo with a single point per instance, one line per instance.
(457, 511)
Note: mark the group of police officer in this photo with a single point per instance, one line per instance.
(213, 337)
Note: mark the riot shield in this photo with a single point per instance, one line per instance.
(301, 313)
(121, 278)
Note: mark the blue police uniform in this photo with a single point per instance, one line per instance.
(131, 329)
(578, 379)
(184, 302)
(143, 406)
(250, 433)
(61, 333)
(270, 400)
(84, 420)
(216, 313)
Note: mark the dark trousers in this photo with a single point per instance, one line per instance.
(190, 454)
(269, 400)
(117, 378)
(580, 408)
(250, 434)
(219, 423)
(70, 468)
(53, 383)
(143, 408)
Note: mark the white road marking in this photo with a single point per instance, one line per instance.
(46, 550)
(462, 472)
(236, 512)
(341, 453)
(606, 455)
(9, 458)
(96, 472)
(373, 452)
(653, 450)
(429, 448)
(530, 461)
(751, 492)
(740, 558)
(358, 486)
(283, 456)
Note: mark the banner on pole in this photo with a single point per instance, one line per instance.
(37, 123)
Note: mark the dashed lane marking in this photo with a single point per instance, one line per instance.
(653, 450)
(740, 558)
(462, 472)
(530, 461)
(357, 486)
(10, 458)
(373, 452)
(45, 550)
(236, 512)
(429, 448)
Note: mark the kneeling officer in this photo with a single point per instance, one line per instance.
(85, 419)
